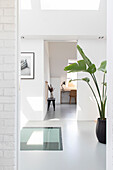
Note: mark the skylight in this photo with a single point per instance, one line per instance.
(25, 4)
(70, 4)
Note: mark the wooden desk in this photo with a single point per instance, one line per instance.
(64, 91)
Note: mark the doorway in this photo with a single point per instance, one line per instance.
(62, 131)
(60, 54)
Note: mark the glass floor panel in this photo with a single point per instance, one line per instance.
(41, 138)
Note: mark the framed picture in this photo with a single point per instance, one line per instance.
(27, 65)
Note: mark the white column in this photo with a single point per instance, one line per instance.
(8, 57)
(110, 85)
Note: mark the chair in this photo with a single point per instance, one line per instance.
(73, 93)
(49, 102)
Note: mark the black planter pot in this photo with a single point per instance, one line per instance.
(101, 130)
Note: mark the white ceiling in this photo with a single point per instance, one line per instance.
(62, 38)
(73, 23)
(70, 4)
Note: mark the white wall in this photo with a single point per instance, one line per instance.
(55, 81)
(45, 22)
(32, 90)
(110, 86)
(59, 53)
(96, 51)
(46, 62)
(46, 73)
(8, 88)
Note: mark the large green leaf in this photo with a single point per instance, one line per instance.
(92, 69)
(103, 66)
(86, 59)
(86, 79)
(76, 67)
(74, 80)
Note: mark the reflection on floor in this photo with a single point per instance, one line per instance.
(81, 150)
(63, 112)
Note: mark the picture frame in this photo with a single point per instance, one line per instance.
(27, 65)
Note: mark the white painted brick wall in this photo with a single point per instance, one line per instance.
(8, 27)
(7, 85)
(9, 12)
(9, 76)
(9, 59)
(1, 12)
(9, 43)
(1, 27)
(8, 92)
(1, 91)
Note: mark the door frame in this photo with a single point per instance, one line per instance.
(17, 106)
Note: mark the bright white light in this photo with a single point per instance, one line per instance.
(56, 119)
(24, 120)
(25, 4)
(70, 4)
(36, 138)
(78, 108)
(36, 103)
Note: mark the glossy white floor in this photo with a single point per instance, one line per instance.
(81, 150)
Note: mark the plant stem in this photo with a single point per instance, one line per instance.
(95, 81)
(105, 99)
(103, 87)
(96, 99)
(105, 105)
(97, 87)
(105, 92)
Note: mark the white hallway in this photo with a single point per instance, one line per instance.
(49, 21)
(81, 150)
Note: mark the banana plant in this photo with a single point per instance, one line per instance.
(85, 65)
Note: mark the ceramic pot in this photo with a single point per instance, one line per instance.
(101, 130)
